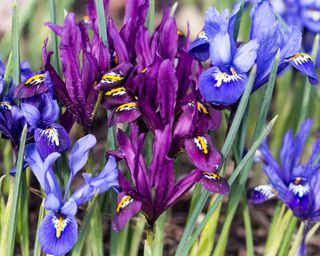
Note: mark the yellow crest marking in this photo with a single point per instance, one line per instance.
(125, 201)
(126, 106)
(211, 176)
(297, 181)
(298, 55)
(112, 77)
(180, 33)
(59, 228)
(5, 105)
(202, 144)
(35, 79)
(201, 108)
(116, 91)
(144, 70)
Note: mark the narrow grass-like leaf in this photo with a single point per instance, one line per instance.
(307, 88)
(123, 240)
(96, 232)
(8, 72)
(248, 229)
(150, 16)
(137, 235)
(239, 188)
(231, 180)
(225, 151)
(157, 246)
(37, 247)
(102, 22)
(286, 241)
(85, 227)
(23, 212)
(10, 236)
(238, 21)
(53, 17)
(15, 45)
(281, 229)
(276, 220)
(296, 244)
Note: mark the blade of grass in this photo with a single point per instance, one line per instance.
(10, 236)
(248, 229)
(238, 189)
(285, 245)
(157, 247)
(53, 17)
(238, 21)
(15, 45)
(225, 151)
(231, 180)
(137, 235)
(85, 226)
(36, 247)
(307, 87)
(150, 16)
(102, 22)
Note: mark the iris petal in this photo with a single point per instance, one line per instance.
(57, 235)
(303, 63)
(218, 87)
(127, 207)
(260, 194)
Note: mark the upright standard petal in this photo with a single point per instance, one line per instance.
(221, 51)
(31, 113)
(246, 57)
(79, 155)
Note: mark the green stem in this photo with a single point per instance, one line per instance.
(307, 87)
(248, 228)
(15, 44)
(157, 248)
(150, 16)
(17, 184)
(53, 17)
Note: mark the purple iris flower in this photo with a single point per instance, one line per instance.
(11, 117)
(77, 92)
(271, 37)
(58, 231)
(41, 116)
(155, 188)
(296, 184)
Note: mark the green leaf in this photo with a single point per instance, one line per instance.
(150, 17)
(53, 17)
(102, 22)
(85, 225)
(15, 45)
(238, 189)
(10, 236)
(37, 247)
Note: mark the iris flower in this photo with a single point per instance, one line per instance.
(155, 188)
(272, 36)
(41, 116)
(58, 231)
(296, 184)
(224, 82)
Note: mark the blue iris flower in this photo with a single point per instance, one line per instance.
(41, 115)
(58, 231)
(295, 183)
(225, 81)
